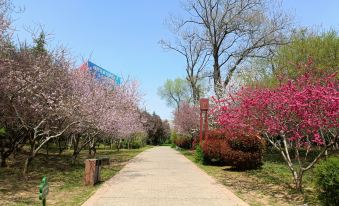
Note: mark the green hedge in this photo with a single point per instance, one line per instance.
(327, 181)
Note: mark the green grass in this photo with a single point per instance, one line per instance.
(272, 184)
(65, 180)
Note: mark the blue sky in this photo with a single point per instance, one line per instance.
(122, 36)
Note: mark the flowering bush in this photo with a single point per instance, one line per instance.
(186, 119)
(241, 152)
(297, 115)
(212, 151)
(245, 152)
(214, 147)
(186, 125)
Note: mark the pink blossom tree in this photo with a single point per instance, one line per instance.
(186, 119)
(44, 98)
(36, 88)
(298, 115)
(103, 109)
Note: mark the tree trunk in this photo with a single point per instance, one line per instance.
(92, 147)
(195, 92)
(74, 156)
(47, 147)
(61, 147)
(94, 151)
(29, 158)
(217, 76)
(118, 145)
(75, 149)
(298, 180)
(3, 160)
(27, 163)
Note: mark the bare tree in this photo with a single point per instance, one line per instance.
(235, 31)
(5, 8)
(196, 56)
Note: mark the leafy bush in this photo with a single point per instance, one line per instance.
(168, 141)
(136, 144)
(327, 181)
(214, 149)
(245, 152)
(139, 140)
(173, 136)
(135, 141)
(183, 141)
(199, 154)
(241, 152)
(2, 131)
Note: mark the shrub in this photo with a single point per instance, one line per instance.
(327, 181)
(215, 147)
(173, 137)
(180, 140)
(241, 152)
(136, 144)
(245, 152)
(2, 131)
(195, 142)
(136, 141)
(168, 141)
(212, 151)
(199, 154)
(183, 141)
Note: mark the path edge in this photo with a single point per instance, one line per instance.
(225, 189)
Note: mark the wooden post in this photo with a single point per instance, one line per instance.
(200, 133)
(204, 105)
(206, 125)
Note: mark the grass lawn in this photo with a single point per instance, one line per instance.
(270, 185)
(65, 180)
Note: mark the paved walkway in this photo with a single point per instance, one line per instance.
(162, 176)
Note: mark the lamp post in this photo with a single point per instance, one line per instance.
(204, 106)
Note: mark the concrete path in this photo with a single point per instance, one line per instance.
(162, 176)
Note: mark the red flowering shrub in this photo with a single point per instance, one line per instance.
(212, 150)
(212, 147)
(298, 115)
(241, 152)
(245, 152)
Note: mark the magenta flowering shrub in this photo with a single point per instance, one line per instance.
(297, 115)
(241, 151)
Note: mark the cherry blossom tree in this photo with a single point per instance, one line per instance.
(103, 109)
(299, 115)
(186, 119)
(36, 88)
(44, 98)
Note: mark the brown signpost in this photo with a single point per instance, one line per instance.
(204, 106)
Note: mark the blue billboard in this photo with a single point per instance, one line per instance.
(101, 72)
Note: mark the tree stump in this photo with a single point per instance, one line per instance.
(92, 171)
